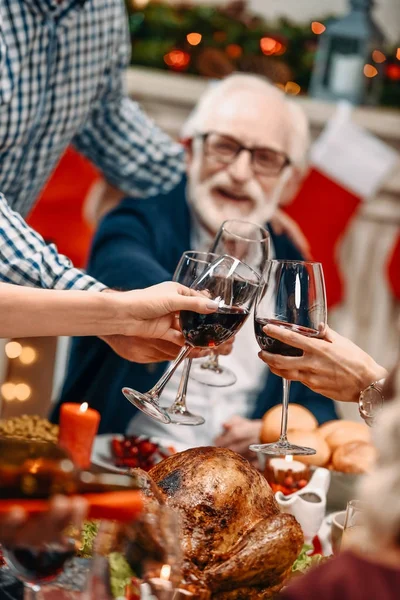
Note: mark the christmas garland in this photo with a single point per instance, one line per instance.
(213, 41)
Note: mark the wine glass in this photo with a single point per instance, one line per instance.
(190, 266)
(233, 285)
(36, 566)
(249, 243)
(292, 296)
(353, 528)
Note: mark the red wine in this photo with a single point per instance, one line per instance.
(208, 331)
(274, 346)
(38, 565)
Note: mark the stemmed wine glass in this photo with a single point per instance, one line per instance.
(38, 566)
(233, 285)
(190, 266)
(292, 296)
(249, 243)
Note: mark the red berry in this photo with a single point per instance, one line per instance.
(288, 481)
(147, 448)
(117, 447)
(302, 483)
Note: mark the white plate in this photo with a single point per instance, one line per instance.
(102, 454)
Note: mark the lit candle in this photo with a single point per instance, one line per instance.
(286, 475)
(161, 586)
(78, 428)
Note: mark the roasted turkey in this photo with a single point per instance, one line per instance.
(236, 543)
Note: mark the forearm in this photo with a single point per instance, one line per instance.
(26, 259)
(29, 312)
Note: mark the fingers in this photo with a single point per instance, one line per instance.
(188, 299)
(291, 337)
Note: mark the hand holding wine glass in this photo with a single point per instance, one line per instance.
(293, 297)
(249, 243)
(232, 285)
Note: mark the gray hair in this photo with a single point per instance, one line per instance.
(298, 128)
(381, 489)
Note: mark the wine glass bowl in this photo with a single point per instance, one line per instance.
(189, 268)
(249, 243)
(233, 285)
(292, 296)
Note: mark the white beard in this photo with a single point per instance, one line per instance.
(212, 215)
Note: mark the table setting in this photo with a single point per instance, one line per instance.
(167, 522)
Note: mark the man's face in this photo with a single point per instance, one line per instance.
(240, 189)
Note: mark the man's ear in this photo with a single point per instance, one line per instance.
(291, 185)
(187, 143)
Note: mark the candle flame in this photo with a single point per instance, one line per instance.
(289, 458)
(165, 572)
(83, 407)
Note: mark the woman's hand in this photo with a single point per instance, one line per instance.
(332, 366)
(149, 325)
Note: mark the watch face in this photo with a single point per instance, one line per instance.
(371, 402)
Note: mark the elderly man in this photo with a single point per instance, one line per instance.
(246, 147)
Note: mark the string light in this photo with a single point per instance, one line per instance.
(141, 3)
(317, 27)
(22, 392)
(28, 355)
(370, 71)
(270, 46)
(378, 56)
(292, 88)
(13, 349)
(177, 59)
(234, 51)
(194, 39)
(8, 391)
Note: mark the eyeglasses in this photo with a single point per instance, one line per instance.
(225, 149)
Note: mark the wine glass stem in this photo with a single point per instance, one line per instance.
(157, 390)
(31, 591)
(285, 410)
(180, 400)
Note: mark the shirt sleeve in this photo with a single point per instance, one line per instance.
(122, 141)
(26, 259)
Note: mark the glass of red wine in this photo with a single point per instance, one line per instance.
(250, 243)
(233, 285)
(39, 565)
(292, 296)
(189, 268)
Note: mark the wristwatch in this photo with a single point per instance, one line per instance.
(371, 401)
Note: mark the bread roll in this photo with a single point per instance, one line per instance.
(326, 428)
(354, 457)
(311, 439)
(348, 431)
(299, 418)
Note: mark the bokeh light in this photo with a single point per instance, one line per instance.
(317, 27)
(398, 54)
(234, 51)
(8, 391)
(370, 71)
(22, 391)
(28, 355)
(270, 46)
(292, 88)
(13, 349)
(177, 60)
(194, 39)
(378, 56)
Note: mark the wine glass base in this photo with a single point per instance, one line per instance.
(215, 377)
(185, 418)
(147, 405)
(282, 449)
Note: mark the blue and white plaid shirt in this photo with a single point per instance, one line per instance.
(62, 65)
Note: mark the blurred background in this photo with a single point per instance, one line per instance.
(340, 60)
